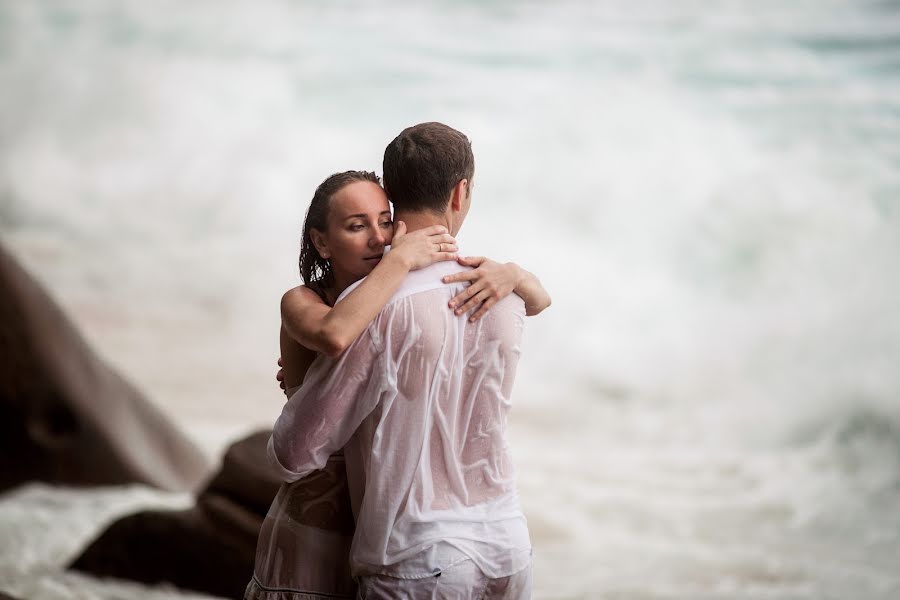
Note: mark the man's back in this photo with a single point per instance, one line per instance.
(421, 401)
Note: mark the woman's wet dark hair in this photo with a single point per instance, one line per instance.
(315, 270)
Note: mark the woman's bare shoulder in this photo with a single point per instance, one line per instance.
(300, 297)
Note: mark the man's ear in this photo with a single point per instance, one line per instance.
(459, 193)
(319, 242)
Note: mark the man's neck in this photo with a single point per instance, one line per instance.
(421, 220)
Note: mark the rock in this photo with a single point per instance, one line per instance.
(246, 477)
(181, 548)
(209, 548)
(67, 417)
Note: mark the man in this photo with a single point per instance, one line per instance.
(419, 404)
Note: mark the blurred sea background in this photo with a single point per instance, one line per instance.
(709, 190)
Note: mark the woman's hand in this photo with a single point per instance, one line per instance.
(423, 247)
(279, 376)
(490, 283)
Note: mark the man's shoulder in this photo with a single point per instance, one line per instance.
(428, 278)
(420, 280)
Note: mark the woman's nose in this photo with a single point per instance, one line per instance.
(377, 238)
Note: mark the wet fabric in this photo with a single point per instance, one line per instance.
(419, 403)
(303, 551)
(462, 582)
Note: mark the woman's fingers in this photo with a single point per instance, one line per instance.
(445, 246)
(442, 238)
(467, 298)
(279, 377)
(470, 298)
(461, 276)
(483, 291)
(425, 246)
(484, 308)
(435, 230)
(471, 261)
(473, 302)
(464, 295)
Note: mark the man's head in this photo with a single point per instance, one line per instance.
(429, 168)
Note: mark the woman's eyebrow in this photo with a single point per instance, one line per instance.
(364, 215)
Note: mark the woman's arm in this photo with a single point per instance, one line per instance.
(491, 282)
(294, 361)
(317, 326)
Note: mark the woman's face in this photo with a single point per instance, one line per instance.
(359, 227)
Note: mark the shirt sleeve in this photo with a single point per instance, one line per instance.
(320, 417)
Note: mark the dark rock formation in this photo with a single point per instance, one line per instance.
(67, 417)
(208, 548)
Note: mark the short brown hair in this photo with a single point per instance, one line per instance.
(423, 164)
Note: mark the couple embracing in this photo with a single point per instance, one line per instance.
(398, 477)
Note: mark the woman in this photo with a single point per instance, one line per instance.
(304, 542)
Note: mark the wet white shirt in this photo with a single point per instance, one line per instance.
(419, 404)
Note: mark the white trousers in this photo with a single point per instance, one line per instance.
(461, 582)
